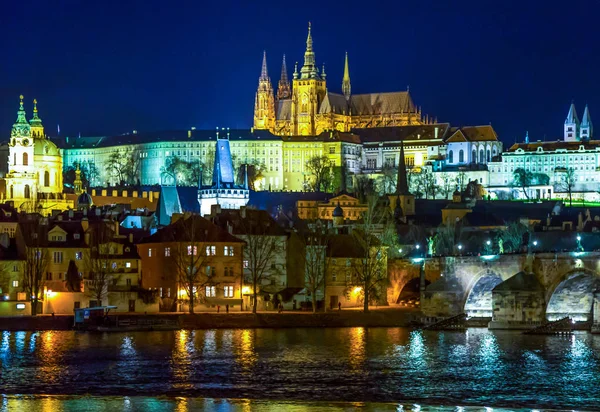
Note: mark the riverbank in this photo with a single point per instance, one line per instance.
(234, 320)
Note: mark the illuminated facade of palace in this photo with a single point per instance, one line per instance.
(308, 108)
(576, 150)
(33, 178)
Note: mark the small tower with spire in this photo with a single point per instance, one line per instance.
(346, 88)
(402, 199)
(571, 125)
(284, 90)
(527, 137)
(37, 129)
(586, 129)
(264, 103)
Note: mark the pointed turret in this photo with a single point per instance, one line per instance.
(264, 102)
(402, 183)
(571, 125)
(284, 90)
(586, 129)
(346, 80)
(37, 128)
(309, 69)
(21, 128)
(527, 137)
(264, 73)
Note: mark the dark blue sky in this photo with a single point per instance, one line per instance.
(106, 67)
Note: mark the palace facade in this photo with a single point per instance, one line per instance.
(576, 150)
(308, 108)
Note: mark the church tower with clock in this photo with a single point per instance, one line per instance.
(34, 180)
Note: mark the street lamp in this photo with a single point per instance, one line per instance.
(417, 246)
(488, 242)
(535, 243)
(459, 247)
(578, 238)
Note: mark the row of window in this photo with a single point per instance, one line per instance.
(210, 250)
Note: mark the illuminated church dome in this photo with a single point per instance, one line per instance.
(84, 200)
(34, 180)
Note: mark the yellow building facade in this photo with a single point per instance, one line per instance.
(310, 108)
(34, 181)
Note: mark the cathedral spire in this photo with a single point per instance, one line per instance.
(572, 115)
(572, 125)
(309, 70)
(346, 88)
(402, 183)
(527, 137)
(264, 74)
(283, 88)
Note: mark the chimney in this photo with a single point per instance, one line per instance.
(71, 214)
(130, 237)
(117, 228)
(215, 210)
(243, 212)
(98, 211)
(436, 131)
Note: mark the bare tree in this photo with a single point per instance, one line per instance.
(263, 245)
(523, 179)
(190, 257)
(370, 272)
(72, 277)
(515, 237)
(320, 168)
(34, 269)
(316, 261)
(568, 180)
(446, 239)
(98, 262)
(388, 179)
(447, 186)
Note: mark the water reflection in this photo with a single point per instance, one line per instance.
(244, 348)
(357, 341)
(356, 364)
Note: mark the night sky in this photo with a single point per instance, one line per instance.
(109, 67)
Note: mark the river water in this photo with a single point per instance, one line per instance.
(296, 369)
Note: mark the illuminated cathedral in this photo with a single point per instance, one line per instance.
(34, 181)
(308, 108)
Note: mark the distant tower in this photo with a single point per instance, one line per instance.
(78, 183)
(37, 129)
(402, 197)
(527, 137)
(284, 90)
(586, 130)
(264, 103)
(572, 125)
(346, 80)
(223, 191)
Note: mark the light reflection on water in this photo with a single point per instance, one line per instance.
(353, 364)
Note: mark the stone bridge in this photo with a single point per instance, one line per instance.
(510, 289)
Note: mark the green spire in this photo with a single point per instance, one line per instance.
(35, 120)
(21, 128)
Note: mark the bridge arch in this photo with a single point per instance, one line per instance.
(478, 299)
(572, 294)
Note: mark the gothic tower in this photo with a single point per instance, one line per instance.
(308, 92)
(586, 130)
(572, 125)
(402, 202)
(283, 88)
(264, 103)
(346, 80)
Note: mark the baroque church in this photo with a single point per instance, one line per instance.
(33, 179)
(309, 108)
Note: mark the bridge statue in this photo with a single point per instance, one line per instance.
(500, 246)
(430, 245)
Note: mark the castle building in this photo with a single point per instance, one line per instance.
(549, 161)
(223, 191)
(309, 108)
(34, 180)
